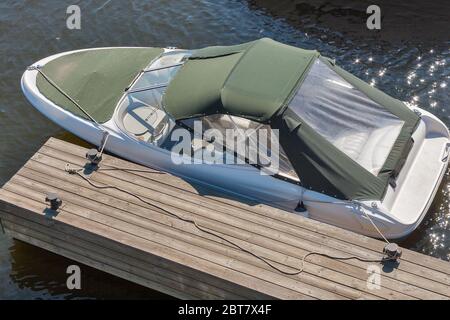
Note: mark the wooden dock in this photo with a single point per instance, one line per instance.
(118, 233)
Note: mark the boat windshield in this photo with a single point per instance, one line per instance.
(140, 112)
(159, 73)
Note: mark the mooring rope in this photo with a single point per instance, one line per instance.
(375, 226)
(103, 143)
(117, 168)
(361, 209)
(221, 237)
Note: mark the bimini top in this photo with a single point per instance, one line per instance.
(251, 80)
(343, 137)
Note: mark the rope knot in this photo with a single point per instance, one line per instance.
(69, 170)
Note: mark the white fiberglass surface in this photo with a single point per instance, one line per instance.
(347, 118)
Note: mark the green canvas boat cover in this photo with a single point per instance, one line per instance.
(251, 80)
(343, 137)
(96, 79)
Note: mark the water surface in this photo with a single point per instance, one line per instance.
(408, 59)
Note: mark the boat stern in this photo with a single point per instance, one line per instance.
(408, 201)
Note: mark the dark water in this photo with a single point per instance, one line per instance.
(408, 58)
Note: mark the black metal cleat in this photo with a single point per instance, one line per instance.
(93, 156)
(392, 251)
(54, 201)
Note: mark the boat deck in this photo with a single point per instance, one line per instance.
(143, 242)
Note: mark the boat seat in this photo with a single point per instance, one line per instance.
(368, 148)
(138, 120)
(352, 143)
(378, 145)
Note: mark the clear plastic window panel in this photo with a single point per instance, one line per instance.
(156, 77)
(169, 62)
(347, 118)
(223, 122)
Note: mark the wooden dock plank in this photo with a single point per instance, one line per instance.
(118, 233)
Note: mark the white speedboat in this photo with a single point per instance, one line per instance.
(349, 155)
